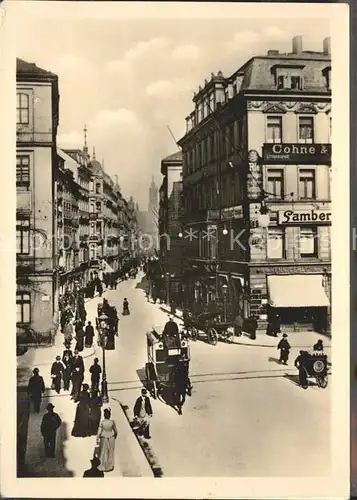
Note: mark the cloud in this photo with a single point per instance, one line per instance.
(72, 63)
(142, 49)
(274, 32)
(165, 88)
(71, 139)
(185, 52)
(242, 38)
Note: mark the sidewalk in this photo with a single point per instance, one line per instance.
(296, 339)
(73, 454)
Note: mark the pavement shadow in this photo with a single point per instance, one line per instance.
(166, 396)
(293, 378)
(142, 284)
(274, 360)
(141, 372)
(23, 414)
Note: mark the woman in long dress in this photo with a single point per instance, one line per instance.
(79, 336)
(106, 440)
(95, 414)
(126, 310)
(82, 420)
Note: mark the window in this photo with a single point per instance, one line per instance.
(92, 228)
(23, 236)
(23, 307)
(211, 102)
(307, 184)
(306, 129)
(275, 183)
(274, 129)
(93, 253)
(23, 171)
(308, 242)
(296, 82)
(97, 188)
(98, 207)
(230, 138)
(281, 82)
(22, 109)
(275, 244)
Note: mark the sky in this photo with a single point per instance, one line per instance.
(128, 80)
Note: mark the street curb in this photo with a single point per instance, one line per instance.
(273, 345)
(145, 447)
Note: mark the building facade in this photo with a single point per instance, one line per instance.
(170, 224)
(37, 111)
(257, 189)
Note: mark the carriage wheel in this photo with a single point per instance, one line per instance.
(212, 336)
(322, 382)
(194, 334)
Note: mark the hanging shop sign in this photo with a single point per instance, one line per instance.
(254, 177)
(233, 212)
(297, 153)
(291, 217)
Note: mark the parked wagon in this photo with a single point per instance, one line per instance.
(164, 355)
(208, 325)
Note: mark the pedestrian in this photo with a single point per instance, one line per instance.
(253, 327)
(77, 375)
(107, 435)
(182, 382)
(238, 325)
(99, 288)
(284, 347)
(143, 413)
(94, 471)
(173, 307)
(95, 414)
(126, 310)
(95, 371)
(35, 389)
(51, 421)
(57, 370)
(81, 427)
(319, 346)
(89, 335)
(67, 357)
(79, 336)
(68, 332)
(300, 364)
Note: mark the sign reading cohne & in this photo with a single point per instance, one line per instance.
(300, 153)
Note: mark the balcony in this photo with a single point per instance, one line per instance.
(23, 201)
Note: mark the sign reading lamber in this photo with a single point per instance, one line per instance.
(290, 217)
(300, 153)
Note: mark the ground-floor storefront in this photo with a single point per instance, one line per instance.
(294, 298)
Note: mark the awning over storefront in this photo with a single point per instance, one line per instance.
(107, 268)
(299, 290)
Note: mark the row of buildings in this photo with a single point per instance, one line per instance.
(71, 217)
(247, 200)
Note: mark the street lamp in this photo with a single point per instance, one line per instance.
(103, 323)
(225, 291)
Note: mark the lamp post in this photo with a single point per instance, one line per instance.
(103, 322)
(225, 291)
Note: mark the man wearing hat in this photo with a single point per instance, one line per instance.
(284, 347)
(35, 389)
(143, 413)
(171, 333)
(57, 370)
(67, 357)
(77, 375)
(94, 471)
(51, 421)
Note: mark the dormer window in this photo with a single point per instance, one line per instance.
(288, 76)
(296, 83)
(281, 82)
(327, 75)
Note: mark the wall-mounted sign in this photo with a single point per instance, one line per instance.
(299, 153)
(254, 178)
(212, 214)
(233, 212)
(297, 217)
(45, 298)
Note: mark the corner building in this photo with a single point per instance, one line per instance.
(257, 163)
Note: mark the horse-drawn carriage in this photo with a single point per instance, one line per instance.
(112, 320)
(164, 357)
(207, 324)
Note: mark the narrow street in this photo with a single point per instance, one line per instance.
(243, 401)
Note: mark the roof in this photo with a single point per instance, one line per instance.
(65, 156)
(95, 167)
(174, 157)
(26, 68)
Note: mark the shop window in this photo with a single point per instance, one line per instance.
(23, 307)
(275, 183)
(274, 129)
(307, 184)
(275, 244)
(23, 172)
(306, 129)
(23, 236)
(308, 242)
(22, 109)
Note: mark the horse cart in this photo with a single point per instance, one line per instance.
(209, 325)
(163, 358)
(316, 368)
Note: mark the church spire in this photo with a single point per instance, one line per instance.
(85, 146)
(94, 153)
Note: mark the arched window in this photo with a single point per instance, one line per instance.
(22, 108)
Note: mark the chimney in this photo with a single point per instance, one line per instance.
(297, 44)
(273, 52)
(327, 46)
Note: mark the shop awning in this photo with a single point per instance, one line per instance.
(106, 267)
(299, 290)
